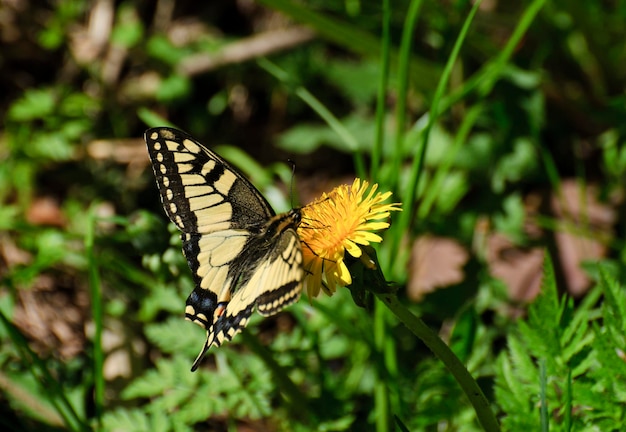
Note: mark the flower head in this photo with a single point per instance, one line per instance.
(343, 220)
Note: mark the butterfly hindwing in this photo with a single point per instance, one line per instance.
(275, 284)
(285, 275)
(242, 255)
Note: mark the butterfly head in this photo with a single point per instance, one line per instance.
(295, 216)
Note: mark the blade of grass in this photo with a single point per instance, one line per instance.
(431, 194)
(567, 410)
(381, 391)
(96, 310)
(152, 119)
(391, 364)
(403, 83)
(424, 74)
(542, 396)
(485, 78)
(381, 95)
(333, 122)
(494, 72)
(50, 387)
(29, 401)
(407, 217)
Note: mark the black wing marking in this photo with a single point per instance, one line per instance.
(200, 191)
(275, 283)
(241, 254)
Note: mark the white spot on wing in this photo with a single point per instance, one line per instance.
(183, 157)
(202, 202)
(193, 180)
(225, 182)
(221, 248)
(192, 146)
(202, 190)
(184, 167)
(215, 218)
(171, 145)
(213, 278)
(208, 167)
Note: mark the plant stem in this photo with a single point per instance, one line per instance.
(381, 391)
(442, 351)
(95, 290)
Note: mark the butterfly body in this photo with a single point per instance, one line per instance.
(242, 255)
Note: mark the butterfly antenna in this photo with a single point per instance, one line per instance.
(293, 175)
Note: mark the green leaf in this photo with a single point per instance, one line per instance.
(544, 312)
(516, 165)
(306, 138)
(176, 335)
(161, 298)
(8, 217)
(160, 48)
(477, 155)
(512, 222)
(356, 80)
(168, 375)
(128, 419)
(78, 105)
(128, 30)
(34, 104)
(453, 188)
(173, 88)
(607, 352)
(53, 146)
(614, 308)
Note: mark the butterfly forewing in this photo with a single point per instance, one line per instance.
(200, 191)
(241, 254)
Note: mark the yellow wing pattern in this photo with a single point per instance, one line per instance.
(242, 255)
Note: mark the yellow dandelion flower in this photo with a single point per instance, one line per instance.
(343, 220)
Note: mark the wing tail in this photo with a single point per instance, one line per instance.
(205, 348)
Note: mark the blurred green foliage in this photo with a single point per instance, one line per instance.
(534, 97)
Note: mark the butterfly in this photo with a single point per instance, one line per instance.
(243, 255)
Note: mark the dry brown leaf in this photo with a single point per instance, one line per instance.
(587, 225)
(45, 211)
(52, 313)
(519, 269)
(10, 254)
(436, 262)
(584, 225)
(125, 151)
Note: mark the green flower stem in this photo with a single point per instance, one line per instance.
(443, 352)
(381, 390)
